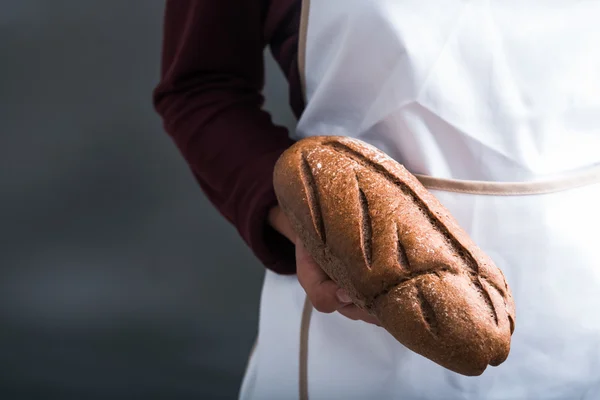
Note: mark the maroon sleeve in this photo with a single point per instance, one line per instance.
(210, 100)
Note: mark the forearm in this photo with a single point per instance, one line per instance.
(210, 100)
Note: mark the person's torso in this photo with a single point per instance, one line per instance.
(480, 90)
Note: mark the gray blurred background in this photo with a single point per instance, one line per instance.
(117, 278)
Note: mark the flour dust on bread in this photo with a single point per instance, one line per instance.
(384, 238)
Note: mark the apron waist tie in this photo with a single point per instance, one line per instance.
(573, 180)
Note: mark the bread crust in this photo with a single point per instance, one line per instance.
(379, 234)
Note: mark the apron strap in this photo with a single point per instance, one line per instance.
(304, 329)
(302, 35)
(569, 181)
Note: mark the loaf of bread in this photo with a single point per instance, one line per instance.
(400, 255)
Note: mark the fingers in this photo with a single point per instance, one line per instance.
(324, 294)
(321, 290)
(354, 313)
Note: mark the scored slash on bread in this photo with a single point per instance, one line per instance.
(384, 238)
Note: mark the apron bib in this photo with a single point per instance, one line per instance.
(495, 107)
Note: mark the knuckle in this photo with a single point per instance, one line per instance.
(322, 303)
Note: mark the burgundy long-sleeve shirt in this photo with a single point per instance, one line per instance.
(209, 97)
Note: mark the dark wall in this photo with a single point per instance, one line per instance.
(117, 278)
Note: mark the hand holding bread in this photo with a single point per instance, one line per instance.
(324, 294)
(381, 236)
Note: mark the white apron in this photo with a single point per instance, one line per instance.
(495, 105)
